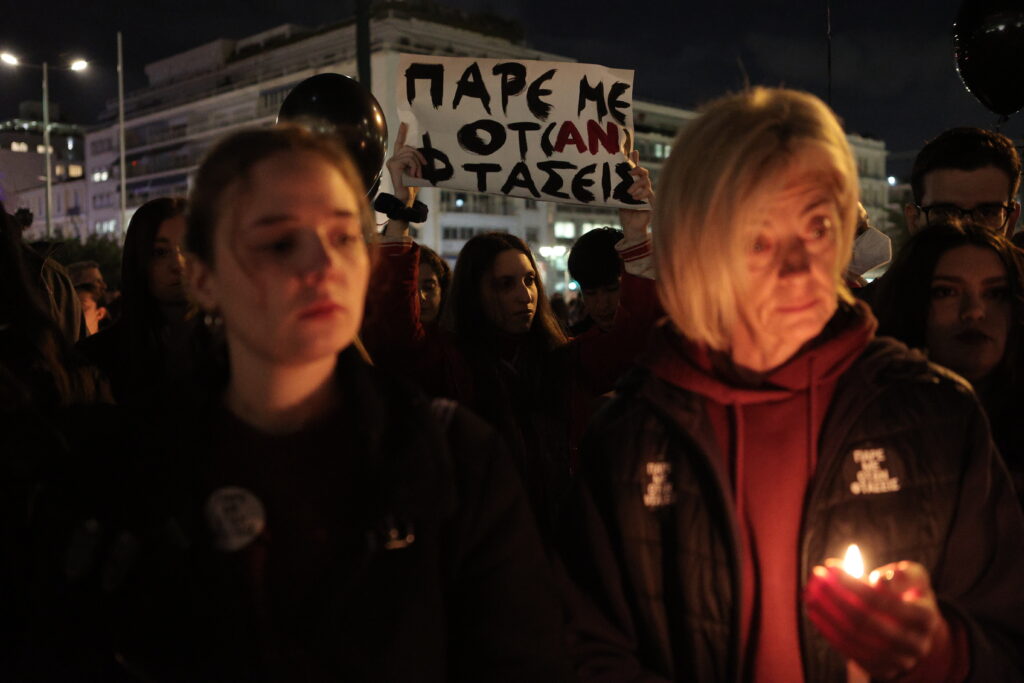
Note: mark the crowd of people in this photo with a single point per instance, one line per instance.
(302, 447)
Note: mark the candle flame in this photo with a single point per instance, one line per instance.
(853, 563)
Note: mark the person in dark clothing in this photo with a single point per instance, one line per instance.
(767, 430)
(47, 416)
(53, 283)
(965, 174)
(38, 367)
(155, 337)
(435, 277)
(957, 292)
(499, 349)
(597, 269)
(306, 517)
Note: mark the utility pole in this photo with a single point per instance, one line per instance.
(363, 41)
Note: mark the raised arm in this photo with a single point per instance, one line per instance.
(392, 328)
(602, 358)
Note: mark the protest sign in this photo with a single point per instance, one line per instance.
(551, 131)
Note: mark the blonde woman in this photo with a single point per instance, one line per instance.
(769, 430)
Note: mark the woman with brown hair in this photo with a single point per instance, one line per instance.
(303, 516)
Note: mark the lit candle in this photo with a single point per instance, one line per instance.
(853, 564)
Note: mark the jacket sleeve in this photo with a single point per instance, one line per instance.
(979, 582)
(505, 617)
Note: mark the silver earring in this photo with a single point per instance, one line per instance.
(213, 320)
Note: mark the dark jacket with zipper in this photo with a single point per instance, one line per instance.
(654, 552)
(426, 565)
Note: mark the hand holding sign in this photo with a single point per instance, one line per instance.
(887, 625)
(635, 221)
(404, 161)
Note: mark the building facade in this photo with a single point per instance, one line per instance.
(195, 97)
(70, 218)
(23, 168)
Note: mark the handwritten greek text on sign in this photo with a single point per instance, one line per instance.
(553, 131)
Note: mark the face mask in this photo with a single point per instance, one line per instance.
(871, 249)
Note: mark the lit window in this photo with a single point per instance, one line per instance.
(71, 144)
(40, 149)
(59, 169)
(659, 150)
(75, 171)
(565, 229)
(19, 146)
(587, 227)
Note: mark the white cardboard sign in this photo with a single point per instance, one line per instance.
(550, 131)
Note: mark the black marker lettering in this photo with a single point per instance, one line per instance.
(435, 174)
(520, 177)
(593, 93)
(472, 85)
(580, 183)
(537, 106)
(522, 127)
(481, 171)
(615, 104)
(470, 140)
(553, 184)
(513, 80)
(432, 72)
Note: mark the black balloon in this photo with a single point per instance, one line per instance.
(988, 44)
(342, 107)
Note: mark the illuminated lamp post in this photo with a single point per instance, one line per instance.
(75, 65)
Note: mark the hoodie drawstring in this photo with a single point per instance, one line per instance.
(740, 448)
(812, 397)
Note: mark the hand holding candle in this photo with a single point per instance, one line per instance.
(886, 624)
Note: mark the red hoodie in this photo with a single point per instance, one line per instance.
(769, 435)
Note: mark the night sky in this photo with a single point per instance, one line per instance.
(892, 77)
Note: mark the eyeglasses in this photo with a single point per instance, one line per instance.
(988, 215)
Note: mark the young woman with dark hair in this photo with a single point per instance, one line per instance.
(957, 292)
(500, 348)
(154, 339)
(307, 517)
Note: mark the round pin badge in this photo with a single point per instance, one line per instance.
(235, 516)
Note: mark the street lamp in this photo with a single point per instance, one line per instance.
(75, 65)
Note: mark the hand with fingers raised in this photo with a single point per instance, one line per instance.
(405, 161)
(634, 222)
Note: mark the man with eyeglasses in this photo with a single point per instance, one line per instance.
(966, 175)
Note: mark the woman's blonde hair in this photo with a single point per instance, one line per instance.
(738, 149)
